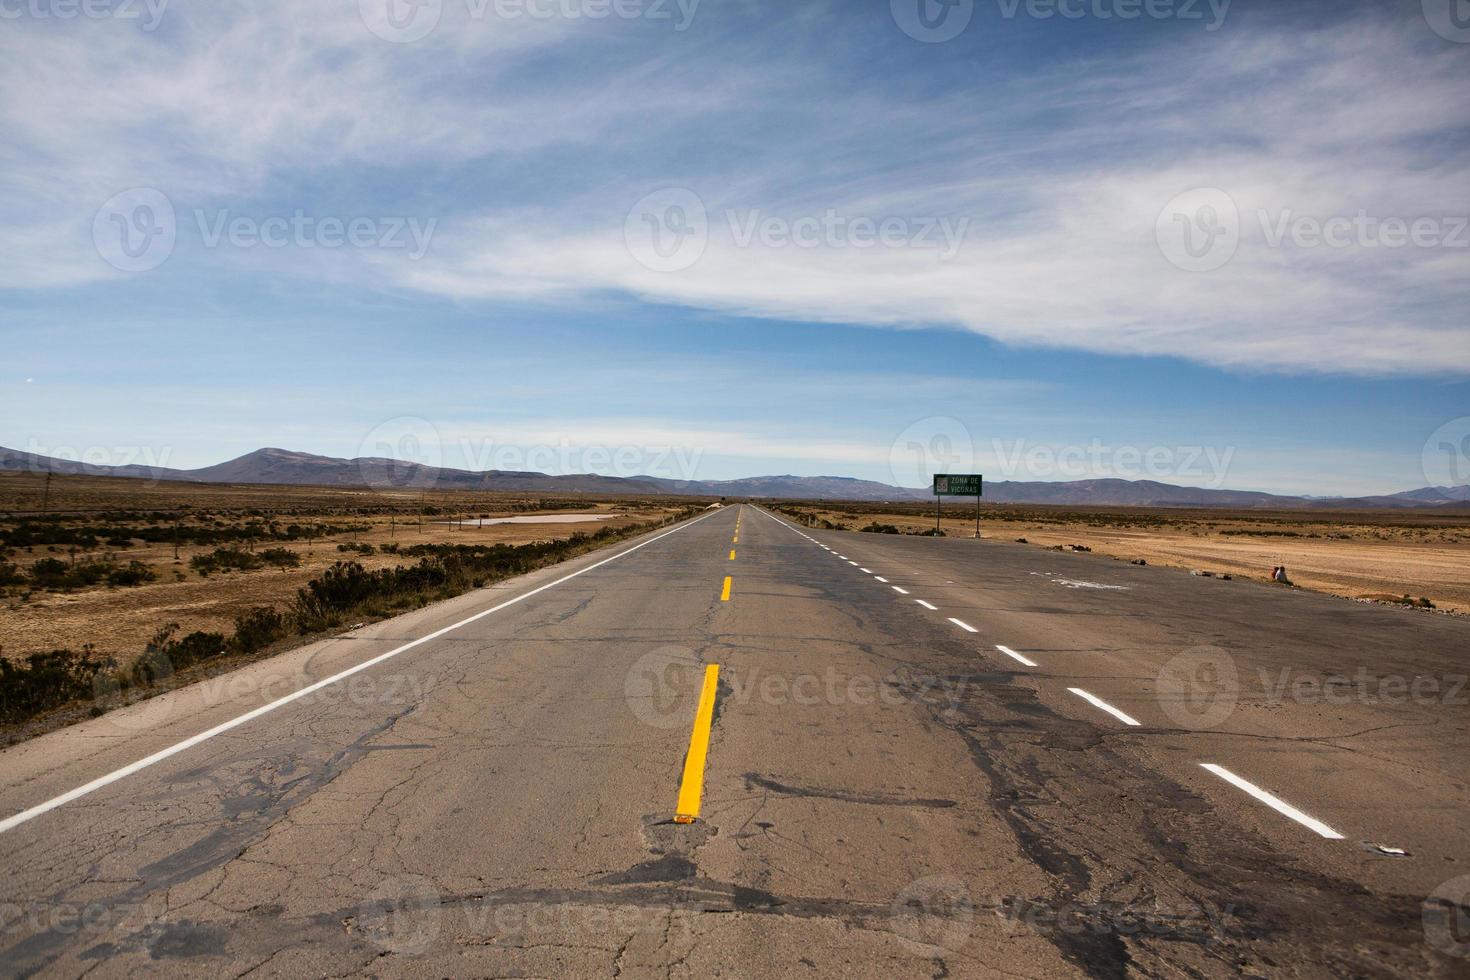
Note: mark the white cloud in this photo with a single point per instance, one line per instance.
(1062, 176)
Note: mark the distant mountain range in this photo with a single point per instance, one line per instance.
(282, 466)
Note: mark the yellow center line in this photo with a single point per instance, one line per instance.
(691, 789)
(732, 554)
(725, 592)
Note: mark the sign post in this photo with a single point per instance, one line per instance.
(958, 485)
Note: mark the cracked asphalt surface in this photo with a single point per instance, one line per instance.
(886, 794)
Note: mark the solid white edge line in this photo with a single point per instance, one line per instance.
(963, 625)
(1016, 656)
(1098, 702)
(1279, 805)
(26, 815)
(900, 591)
(927, 606)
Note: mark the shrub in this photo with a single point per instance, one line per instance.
(225, 559)
(281, 557)
(48, 680)
(876, 528)
(134, 573)
(257, 629)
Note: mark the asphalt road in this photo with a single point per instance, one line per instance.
(885, 791)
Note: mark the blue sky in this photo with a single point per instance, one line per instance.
(813, 239)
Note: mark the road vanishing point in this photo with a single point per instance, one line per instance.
(738, 747)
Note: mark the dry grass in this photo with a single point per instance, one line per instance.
(121, 620)
(1356, 555)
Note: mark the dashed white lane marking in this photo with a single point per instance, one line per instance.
(900, 591)
(881, 579)
(963, 625)
(25, 815)
(1098, 702)
(926, 605)
(1016, 656)
(1279, 805)
(851, 562)
(867, 571)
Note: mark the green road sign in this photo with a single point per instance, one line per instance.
(958, 485)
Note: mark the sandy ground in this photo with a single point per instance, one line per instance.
(120, 621)
(1354, 556)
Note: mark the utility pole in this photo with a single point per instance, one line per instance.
(46, 495)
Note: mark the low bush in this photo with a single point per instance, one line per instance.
(281, 558)
(49, 680)
(225, 560)
(876, 528)
(133, 573)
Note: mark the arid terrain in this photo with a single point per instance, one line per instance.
(331, 525)
(1382, 555)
